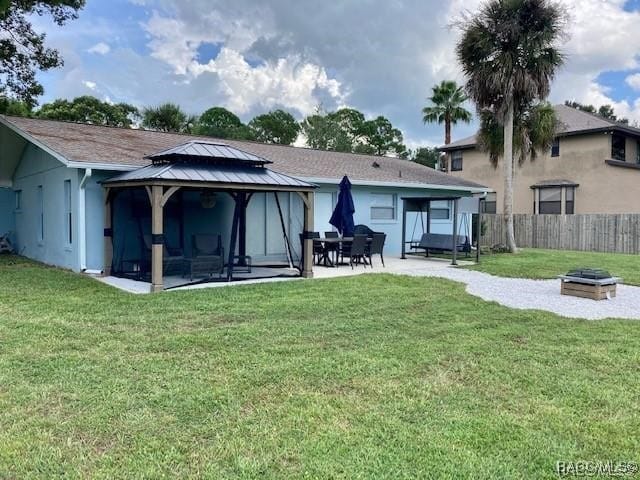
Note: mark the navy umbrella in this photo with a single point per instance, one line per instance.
(342, 217)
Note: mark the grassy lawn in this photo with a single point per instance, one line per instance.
(374, 376)
(540, 263)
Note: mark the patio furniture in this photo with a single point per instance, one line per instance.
(364, 230)
(318, 248)
(376, 247)
(207, 256)
(589, 283)
(242, 264)
(173, 261)
(358, 250)
(440, 242)
(331, 247)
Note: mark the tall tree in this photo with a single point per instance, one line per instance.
(13, 107)
(322, 132)
(221, 123)
(446, 107)
(88, 109)
(533, 132)
(382, 137)
(275, 127)
(23, 51)
(426, 156)
(168, 117)
(509, 55)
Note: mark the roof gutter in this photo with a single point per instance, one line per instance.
(82, 219)
(375, 183)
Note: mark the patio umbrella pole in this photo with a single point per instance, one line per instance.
(287, 244)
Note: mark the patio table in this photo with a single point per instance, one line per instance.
(334, 241)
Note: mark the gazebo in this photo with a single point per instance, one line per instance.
(206, 167)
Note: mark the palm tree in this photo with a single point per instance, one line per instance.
(509, 56)
(447, 100)
(167, 117)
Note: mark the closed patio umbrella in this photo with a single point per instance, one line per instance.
(342, 217)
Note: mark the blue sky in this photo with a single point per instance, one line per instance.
(377, 56)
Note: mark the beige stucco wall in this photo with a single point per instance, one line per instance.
(603, 188)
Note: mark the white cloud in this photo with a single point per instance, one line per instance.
(89, 84)
(633, 81)
(100, 48)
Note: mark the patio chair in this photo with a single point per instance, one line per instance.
(358, 250)
(172, 258)
(376, 246)
(333, 247)
(318, 249)
(207, 256)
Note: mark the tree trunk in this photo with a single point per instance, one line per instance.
(508, 178)
(447, 131)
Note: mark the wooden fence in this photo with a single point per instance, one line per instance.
(619, 233)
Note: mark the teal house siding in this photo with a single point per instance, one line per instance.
(41, 229)
(7, 212)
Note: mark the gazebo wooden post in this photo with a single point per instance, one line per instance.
(404, 229)
(157, 238)
(108, 233)
(307, 250)
(454, 261)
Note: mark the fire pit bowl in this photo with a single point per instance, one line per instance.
(593, 283)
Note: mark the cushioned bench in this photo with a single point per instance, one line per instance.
(440, 242)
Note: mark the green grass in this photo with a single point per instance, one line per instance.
(375, 376)
(540, 263)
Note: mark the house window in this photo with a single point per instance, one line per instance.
(68, 225)
(383, 206)
(456, 161)
(569, 200)
(440, 210)
(555, 147)
(40, 214)
(550, 201)
(18, 199)
(490, 202)
(638, 152)
(618, 147)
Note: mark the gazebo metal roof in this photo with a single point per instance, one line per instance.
(204, 173)
(199, 150)
(199, 163)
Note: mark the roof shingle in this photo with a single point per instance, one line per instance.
(94, 144)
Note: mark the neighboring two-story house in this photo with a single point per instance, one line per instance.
(592, 167)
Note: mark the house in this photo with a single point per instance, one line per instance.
(592, 167)
(58, 176)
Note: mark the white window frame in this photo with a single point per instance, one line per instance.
(374, 204)
(68, 215)
(448, 207)
(17, 196)
(40, 207)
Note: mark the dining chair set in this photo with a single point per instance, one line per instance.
(334, 250)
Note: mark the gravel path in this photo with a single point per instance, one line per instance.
(538, 294)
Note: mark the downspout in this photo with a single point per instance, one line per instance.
(82, 220)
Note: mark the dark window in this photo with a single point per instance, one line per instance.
(555, 147)
(550, 201)
(456, 161)
(489, 204)
(40, 205)
(618, 147)
(67, 211)
(570, 199)
(638, 152)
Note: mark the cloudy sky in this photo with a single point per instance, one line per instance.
(379, 56)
